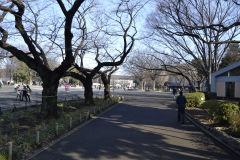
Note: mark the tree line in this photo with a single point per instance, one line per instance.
(68, 31)
(188, 38)
(191, 38)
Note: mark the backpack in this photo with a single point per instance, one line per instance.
(181, 101)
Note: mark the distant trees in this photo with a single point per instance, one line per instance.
(232, 55)
(138, 72)
(144, 67)
(192, 30)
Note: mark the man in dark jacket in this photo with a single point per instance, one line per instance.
(181, 102)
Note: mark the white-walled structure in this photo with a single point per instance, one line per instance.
(226, 81)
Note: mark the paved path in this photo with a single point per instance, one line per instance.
(142, 128)
(8, 96)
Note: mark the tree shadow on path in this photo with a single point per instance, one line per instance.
(136, 132)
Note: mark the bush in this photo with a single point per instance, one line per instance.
(212, 107)
(4, 155)
(210, 95)
(225, 111)
(235, 123)
(195, 99)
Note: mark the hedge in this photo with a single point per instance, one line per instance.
(195, 99)
(212, 107)
(224, 112)
(220, 112)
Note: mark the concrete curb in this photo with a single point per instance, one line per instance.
(35, 153)
(221, 137)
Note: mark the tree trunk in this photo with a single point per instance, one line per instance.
(142, 85)
(30, 78)
(49, 99)
(208, 84)
(154, 85)
(106, 82)
(88, 91)
(192, 87)
(107, 94)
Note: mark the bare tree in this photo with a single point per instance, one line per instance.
(178, 26)
(28, 20)
(125, 29)
(138, 72)
(106, 79)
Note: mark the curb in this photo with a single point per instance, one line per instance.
(36, 152)
(221, 137)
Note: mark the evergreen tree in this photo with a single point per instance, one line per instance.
(232, 55)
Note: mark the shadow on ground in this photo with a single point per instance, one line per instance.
(137, 132)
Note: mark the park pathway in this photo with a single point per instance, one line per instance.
(144, 127)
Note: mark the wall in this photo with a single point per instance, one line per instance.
(237, 89)
(220, 89)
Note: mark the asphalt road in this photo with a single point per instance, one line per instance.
(8, 95)
(144, 127)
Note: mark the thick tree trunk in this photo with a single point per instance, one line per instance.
(49, 99)
(107, 94)
(106, 82)
(88, 92)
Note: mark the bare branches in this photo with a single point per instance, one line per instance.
(195, 29)
(62, 6)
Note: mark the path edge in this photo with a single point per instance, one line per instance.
(225, 140)
(38, 151)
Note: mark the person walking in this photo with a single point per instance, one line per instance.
(29, 91)
(19, 92)
(181, 102)
(174, 93)
(24, 93)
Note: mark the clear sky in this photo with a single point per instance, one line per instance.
(51, 10)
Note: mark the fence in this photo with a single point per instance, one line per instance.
(36, 138)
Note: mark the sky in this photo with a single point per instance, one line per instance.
(55, 10)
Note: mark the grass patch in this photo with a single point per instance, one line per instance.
(21, 126)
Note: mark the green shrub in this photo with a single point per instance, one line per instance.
(3, 155)
(195, 99)
(235, 123)
(225, 111)
(210, 95)
(212, 107)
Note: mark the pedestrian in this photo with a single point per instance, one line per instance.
(19, 92)
(29, 91)
(181, 102)
(174, 93)
(24, 93)
(67, 87)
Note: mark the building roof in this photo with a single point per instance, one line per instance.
(122, 77)
(225, 69)
(221, 71)
(172, 84)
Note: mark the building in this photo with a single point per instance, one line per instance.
(170, 85)
(121, 81)
(226, 81)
